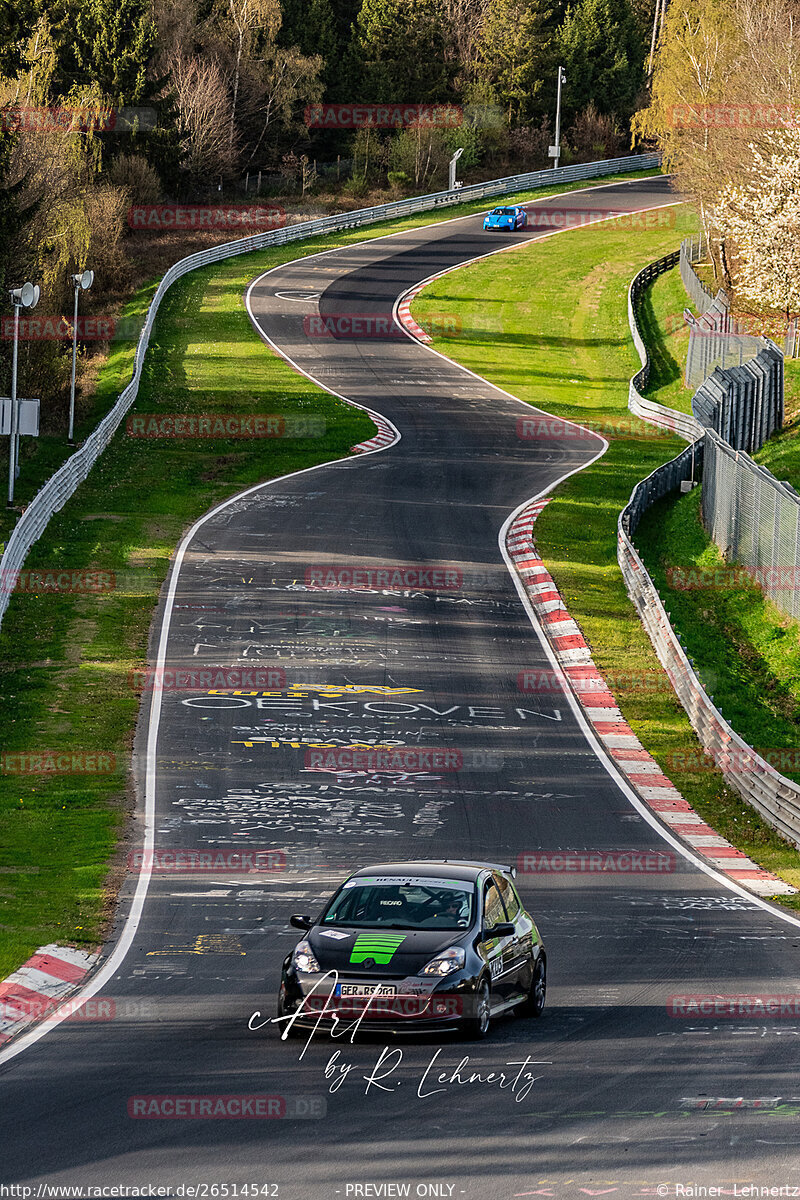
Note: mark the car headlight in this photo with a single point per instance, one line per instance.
(446, 962)
(303, 959)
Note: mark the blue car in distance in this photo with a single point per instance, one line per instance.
(511, 217)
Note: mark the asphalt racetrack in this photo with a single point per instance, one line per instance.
(607, 1094)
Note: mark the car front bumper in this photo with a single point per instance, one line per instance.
(417, 1004)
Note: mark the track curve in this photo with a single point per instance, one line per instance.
(617, 1106)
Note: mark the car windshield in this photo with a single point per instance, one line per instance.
(402, 903)
(503, 212)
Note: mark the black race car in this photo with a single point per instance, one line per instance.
(415, 946)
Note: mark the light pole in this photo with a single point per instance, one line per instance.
(26, 296)
(555, 149)
(451, 184)
(81, 283)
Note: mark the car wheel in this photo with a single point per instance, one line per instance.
(477, 1027)
(291, 1031)
(534, 1005)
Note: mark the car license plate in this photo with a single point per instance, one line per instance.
(365, 989)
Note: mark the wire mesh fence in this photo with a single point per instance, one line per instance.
(754, 518)
(715, 338)
(699, 294)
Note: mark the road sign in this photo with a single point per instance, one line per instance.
(28, 417)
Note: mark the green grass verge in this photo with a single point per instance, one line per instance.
(565, 347)
(65, 660)
(747, 653)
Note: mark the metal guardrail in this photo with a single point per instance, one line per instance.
(63, 483)
(774, 796)
(682, 424)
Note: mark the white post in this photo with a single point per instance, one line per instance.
(451, 183)
(12, 473)
(74, 358)
(80, 283)
(562, 78)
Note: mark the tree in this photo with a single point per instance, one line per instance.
(204, 111)
(601, 49)
(761, 218)
(402, 44)
(310, 25)
(267, 84)
(513, 46)
(697, 63)
(249, 24)
(112, 45)
(420, 153)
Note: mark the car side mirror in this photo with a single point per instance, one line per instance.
(503, 929)
(300, 922)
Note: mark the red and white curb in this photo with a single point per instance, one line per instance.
(404, 312)
(600, 707)
(40, 986)
(385, 436)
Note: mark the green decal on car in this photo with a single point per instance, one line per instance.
(380, 946)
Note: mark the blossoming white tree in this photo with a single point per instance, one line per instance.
(761, 219)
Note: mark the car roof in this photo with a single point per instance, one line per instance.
(439, 868)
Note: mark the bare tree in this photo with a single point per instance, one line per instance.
(204, 115)
(249, 24)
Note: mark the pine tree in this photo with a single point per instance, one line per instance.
(402, 44)
(514, 46)
(602, 50)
